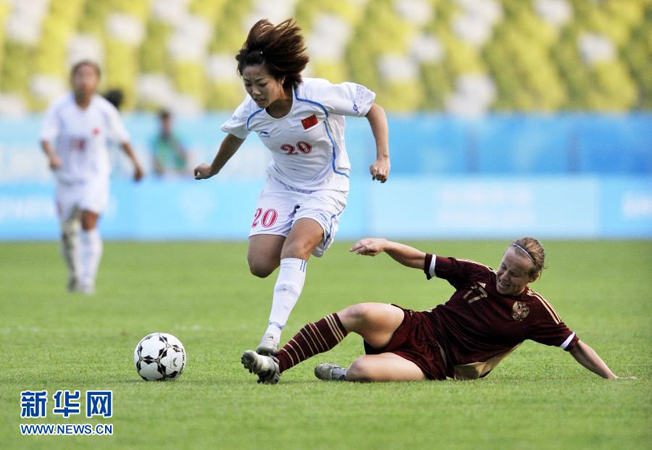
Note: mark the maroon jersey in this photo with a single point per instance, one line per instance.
(478, 326)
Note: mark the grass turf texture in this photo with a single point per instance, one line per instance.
(538, 398)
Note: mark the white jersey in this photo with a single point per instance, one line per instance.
(307, 145)
(80, 137)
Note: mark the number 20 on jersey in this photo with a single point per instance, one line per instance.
(302, 146)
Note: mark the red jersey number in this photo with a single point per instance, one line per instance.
(302, 146)
(268, 218)
(288, 149)
(78, 144)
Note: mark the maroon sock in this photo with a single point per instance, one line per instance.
(313, 338)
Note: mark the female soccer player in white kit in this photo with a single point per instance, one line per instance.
(74, 138)
(301, 121)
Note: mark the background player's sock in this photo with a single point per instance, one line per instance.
(91, 253)
(313, 338)
(287, 290)
(70, 250)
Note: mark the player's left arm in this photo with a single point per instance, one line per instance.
(588, 358)
(118, 133)
(404, 254)
(378, 121)
(138, 171)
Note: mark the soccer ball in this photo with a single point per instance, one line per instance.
(159, 356)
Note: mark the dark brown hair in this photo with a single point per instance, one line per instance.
(279, 48)
(531, 248)
(86, 62)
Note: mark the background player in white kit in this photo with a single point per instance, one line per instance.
(301, 121)
(74, 138)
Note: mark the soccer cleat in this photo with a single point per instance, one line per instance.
(86, 287)
(266, 367)
(268, 345)
(73, 284)
(330, 372)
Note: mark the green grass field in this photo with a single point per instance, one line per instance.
(538, 398)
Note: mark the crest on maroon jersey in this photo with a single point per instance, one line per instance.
(520, 311)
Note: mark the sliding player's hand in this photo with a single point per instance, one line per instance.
(369, 246)
(203, 171)
(380, 170)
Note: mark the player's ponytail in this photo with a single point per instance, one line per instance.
(279, 48)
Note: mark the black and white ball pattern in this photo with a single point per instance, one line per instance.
(159, 356)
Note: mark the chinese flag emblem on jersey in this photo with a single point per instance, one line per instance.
(309, 122)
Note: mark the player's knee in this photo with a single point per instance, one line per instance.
(298, 248)
(260, 269)
(318, 251)
(360, 370)
(357, 314)
(88, 222)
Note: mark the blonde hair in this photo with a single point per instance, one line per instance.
(531, 248)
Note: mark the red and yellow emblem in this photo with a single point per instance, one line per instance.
(520, 311)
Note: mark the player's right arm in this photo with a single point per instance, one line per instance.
(404, 254)
(229, 146)
(49, 131)
(53, 160)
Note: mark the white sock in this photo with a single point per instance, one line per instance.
(91, 253)
(287, 290)
(70, 246)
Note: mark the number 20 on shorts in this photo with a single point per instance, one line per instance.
(267, 219)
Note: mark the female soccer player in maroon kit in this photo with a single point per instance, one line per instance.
(489, 315)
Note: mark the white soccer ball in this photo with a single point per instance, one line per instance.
(159, 356)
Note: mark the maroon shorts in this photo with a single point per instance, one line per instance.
(415, 341)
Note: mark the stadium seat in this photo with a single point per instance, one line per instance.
(541, 56)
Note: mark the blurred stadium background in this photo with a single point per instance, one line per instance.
(507, 117)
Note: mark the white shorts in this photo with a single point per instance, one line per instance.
(279, 206)
(82, 196)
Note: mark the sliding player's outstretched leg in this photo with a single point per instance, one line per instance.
(313, 338)
(375, 322)
(266, 367)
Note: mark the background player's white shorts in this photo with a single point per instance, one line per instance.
(89, 196)
(279, 206)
